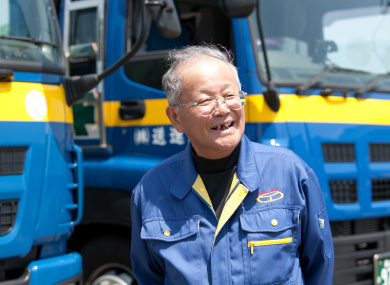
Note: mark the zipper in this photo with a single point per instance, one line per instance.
(253, 243)
(299, 216)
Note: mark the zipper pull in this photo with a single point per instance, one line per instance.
(251, 245)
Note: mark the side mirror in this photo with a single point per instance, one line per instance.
(237, 8)
(77, 86)
(6, 75)
(82, 52)
(231, 8)
(167, 20)
(165, 16)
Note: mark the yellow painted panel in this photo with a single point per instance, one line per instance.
(20, 101)
(320, 109)
(154, 114)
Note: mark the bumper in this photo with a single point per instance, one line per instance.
(65, 269)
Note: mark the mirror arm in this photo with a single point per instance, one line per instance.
(141, 40)
(271, 95)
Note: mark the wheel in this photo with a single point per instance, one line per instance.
(106, 261)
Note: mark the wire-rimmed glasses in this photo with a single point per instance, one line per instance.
(208, 105)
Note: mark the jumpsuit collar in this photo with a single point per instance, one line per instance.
(247, 169)
(186, 174)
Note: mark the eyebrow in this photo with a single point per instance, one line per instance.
(225, 86)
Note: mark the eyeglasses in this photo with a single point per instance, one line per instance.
(207, 106)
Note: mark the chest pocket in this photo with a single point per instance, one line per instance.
(169, 230)
(270, 245)
(175, 242)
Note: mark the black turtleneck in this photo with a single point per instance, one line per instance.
(217, 176)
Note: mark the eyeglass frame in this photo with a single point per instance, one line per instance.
(216, 103)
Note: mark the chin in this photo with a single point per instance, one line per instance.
(229, 144)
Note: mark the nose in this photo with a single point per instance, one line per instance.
(223, 110)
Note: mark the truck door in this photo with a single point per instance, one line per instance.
(83, 44)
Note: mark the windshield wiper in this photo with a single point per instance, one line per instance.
(371, 84)
(30, 40)
(314, 80)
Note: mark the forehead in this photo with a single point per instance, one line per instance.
(207, 73)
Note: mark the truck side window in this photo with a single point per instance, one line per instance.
(153, 64)
(83, 23)
(83, 39)
(149, 65)
(83, 32)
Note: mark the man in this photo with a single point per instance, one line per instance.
(225, 210)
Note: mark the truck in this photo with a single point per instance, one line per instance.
(41, 173)
(317, 78)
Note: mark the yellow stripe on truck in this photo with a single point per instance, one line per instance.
(319, 109)
(154, 114)
(20, 101)
(294, 108)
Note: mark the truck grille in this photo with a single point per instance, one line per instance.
(8, 210)
(355, 243)
(338, 152)
(380, 189)
(356, 227)
(343, 191)
(12, 160)
(379, 152)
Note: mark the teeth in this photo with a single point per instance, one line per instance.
(225, 127)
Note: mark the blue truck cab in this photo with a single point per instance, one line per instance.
(317, 78)
(41, 174)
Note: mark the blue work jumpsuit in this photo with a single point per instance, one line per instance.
(273, 229)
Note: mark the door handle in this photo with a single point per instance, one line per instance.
(132, 109)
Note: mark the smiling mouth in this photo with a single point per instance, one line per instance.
(223, 127)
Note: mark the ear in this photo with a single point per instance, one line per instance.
(175, 118)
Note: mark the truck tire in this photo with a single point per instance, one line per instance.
(106, 260)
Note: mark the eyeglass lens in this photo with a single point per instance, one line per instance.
(233, 101)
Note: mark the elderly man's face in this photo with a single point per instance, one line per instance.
(215, 136)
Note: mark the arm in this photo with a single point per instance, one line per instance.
(145, 265)
(317, 256)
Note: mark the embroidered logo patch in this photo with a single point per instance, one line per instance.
(270, 196)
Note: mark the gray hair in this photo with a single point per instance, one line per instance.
(172, 79)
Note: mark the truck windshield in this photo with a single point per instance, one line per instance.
(304, 37)
(28, 33)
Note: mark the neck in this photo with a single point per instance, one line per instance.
(206, 165)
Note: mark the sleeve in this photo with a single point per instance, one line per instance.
(317, 255)
(146, 266)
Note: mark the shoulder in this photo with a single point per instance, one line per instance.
(279, 154)
(163, 168)
(161, 174)
(277, 151)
